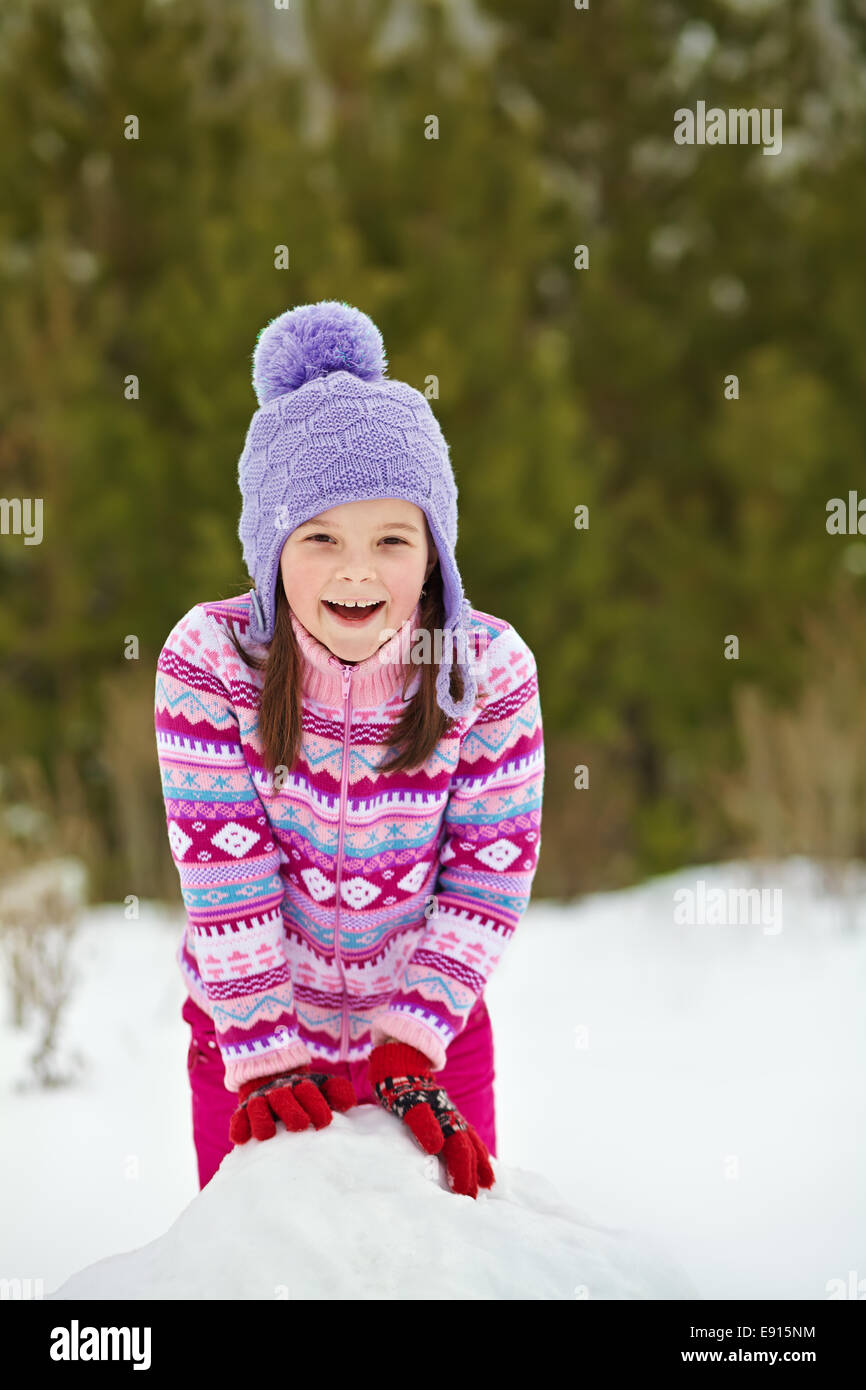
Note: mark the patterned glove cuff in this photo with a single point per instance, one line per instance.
(397, 1059)
(268, 1082)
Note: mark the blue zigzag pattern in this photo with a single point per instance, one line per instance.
(188, 696)
(525, 719)
(512, 902)
(241, 1017)
(361, 941)
(442, 989)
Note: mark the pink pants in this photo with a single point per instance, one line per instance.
(467, 1076)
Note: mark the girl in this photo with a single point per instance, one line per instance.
(352, 763)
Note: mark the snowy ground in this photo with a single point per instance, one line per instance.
(690, 1090)
(352, 1213)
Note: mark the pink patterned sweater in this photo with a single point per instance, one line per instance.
(336, 905)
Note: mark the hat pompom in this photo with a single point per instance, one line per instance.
(311, 341)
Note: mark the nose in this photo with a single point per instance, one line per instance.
(356, 570)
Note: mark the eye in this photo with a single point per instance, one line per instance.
(320, 536)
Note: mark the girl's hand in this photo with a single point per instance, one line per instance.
(402, 1079)
(296, 1097)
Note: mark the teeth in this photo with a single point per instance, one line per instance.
(349, 603)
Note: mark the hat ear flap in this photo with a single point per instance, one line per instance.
(455, 709)
(257, 624)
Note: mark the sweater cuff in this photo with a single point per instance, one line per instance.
(411, 1031)
(267, 1064)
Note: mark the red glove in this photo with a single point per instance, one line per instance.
(296, 1097)
(402, 1078)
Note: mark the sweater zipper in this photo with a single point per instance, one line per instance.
(347, 685)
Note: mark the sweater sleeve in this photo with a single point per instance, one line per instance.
(487, 859)
(233, 955)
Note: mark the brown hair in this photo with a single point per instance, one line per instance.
(419, 729)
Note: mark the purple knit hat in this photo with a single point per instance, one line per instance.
(331, 428)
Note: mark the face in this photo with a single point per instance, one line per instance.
(379, 550)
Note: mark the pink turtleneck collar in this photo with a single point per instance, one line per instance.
(375, 679)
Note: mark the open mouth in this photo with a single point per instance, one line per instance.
(349, 613)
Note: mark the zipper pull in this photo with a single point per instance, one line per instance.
(346, 674)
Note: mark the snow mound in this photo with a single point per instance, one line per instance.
(358, 1211)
